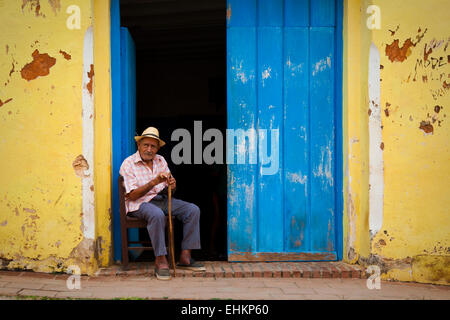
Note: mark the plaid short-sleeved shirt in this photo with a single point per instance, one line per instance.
(136, 173)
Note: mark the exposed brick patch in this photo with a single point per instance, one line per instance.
(197, 274)
(38, 275)
(142, 270)
(267, 269)
(209, 273)
(223, 269)
(343, 272)
(285, 270)
(306, 270)
(218, 270)
(132, 270)
(10, 273)
(294, 271)
(100, 278)
(181, 273)
(115, 269)
(346, 271)
(356, 271)
(325, 272)
(248, 271)
(316, 270)
(279, 267)
(188, 273)
(364, 274)
(102, 272)
(256, 270)
(335, 272)
(238, 272)
(227, 270)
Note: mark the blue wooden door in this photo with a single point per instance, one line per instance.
(282, 75)
(123, 71)
(128, 87)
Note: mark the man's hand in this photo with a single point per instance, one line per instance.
(141, 191)
(161, 178)
(172, 182)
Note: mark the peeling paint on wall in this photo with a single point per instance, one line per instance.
(35, 6)
(80, 166)
(39, 67)
(91, 76)
(56, 5)
(427, 127)
(5, 102)
(397, 54)
(65, 55)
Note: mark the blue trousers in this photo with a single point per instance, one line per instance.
(154, 213)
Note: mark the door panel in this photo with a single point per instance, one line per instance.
(270, 115)
(123, 85)
(296, 133)
(281, 75)
(128, 88)
(322, 138)
(241, 93)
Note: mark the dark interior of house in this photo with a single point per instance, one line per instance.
(181, 78)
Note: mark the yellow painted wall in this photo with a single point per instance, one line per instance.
(41, 225)
(413, 243)
(103, 135)
(355, 133)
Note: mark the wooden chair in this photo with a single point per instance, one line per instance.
(127, 222)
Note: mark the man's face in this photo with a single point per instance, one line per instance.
(148, 147)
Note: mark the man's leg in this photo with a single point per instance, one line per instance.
(189, 214)
(156, 224)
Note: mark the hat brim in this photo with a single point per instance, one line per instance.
(138, 138)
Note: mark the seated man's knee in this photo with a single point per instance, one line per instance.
(194, 211)
(153, 213)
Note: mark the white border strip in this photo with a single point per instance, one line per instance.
(88, 137)
(376, 170)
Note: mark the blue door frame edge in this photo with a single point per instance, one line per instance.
(115, 123)
(339, 129)
(123, 85)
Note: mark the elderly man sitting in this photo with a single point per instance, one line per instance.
(145, 175)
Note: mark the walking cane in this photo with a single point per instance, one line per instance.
(172, 250)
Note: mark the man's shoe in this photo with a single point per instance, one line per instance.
(162, 274)
(194, 266)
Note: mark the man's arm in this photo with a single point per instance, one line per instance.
(141, 191)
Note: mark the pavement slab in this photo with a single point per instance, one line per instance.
(15, 284)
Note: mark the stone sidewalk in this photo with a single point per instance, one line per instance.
(31, 285)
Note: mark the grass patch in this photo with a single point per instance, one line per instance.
(47, 298)
(130, 298)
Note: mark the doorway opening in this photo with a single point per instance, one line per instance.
(181, 78)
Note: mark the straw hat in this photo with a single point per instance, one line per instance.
(150, 132)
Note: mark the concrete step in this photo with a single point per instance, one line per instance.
(223, 269)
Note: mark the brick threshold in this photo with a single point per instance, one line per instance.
(224, 269)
